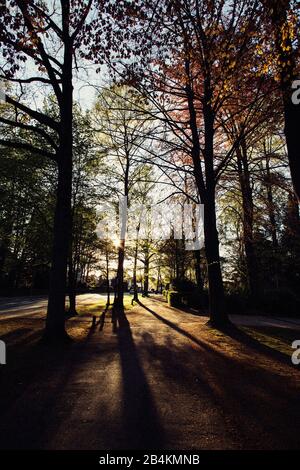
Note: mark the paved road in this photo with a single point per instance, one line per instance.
(277, 322)
(164, 381)
(11, 307)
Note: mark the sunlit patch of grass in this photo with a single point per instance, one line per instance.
(78, 331)
(127, 302)
(275, 338)
(278, 339)
(97, 308)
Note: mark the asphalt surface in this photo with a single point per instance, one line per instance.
(11, 307)
(163, 381)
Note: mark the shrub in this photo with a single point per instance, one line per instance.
(174, 298)
(281, 302)
(237, 303)
(197, 299)
(165, 293)
(183, 285)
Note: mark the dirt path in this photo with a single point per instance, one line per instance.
(166, 381)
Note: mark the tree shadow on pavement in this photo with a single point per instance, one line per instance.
(233, 332)
(41, 373)
(201, 311)
(141, 424)
(256, 397)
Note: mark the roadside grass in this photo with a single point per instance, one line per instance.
(275, 338)
(280, 339)
(97, 308)
(26, 331)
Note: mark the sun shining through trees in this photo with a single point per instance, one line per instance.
(116, 242)
(149, 224)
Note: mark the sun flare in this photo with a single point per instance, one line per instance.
(116, 241)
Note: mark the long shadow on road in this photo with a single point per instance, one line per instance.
(233, 332)
(258, 399)
(255, 395)
(141, 425)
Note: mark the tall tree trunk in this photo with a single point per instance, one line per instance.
(119, 299)
(118, 314)
(278, 12)
(218, 315)
(107, 276)
(146, 272)
(135, 290)
(271, 205)
(72, 286)
(55, 321)
(248, 208)
(158, 282)
(292, 126)
(88, 268)
(72, 301)
(206, 190)
(198, 274)
(146, 278)
(272, 220)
